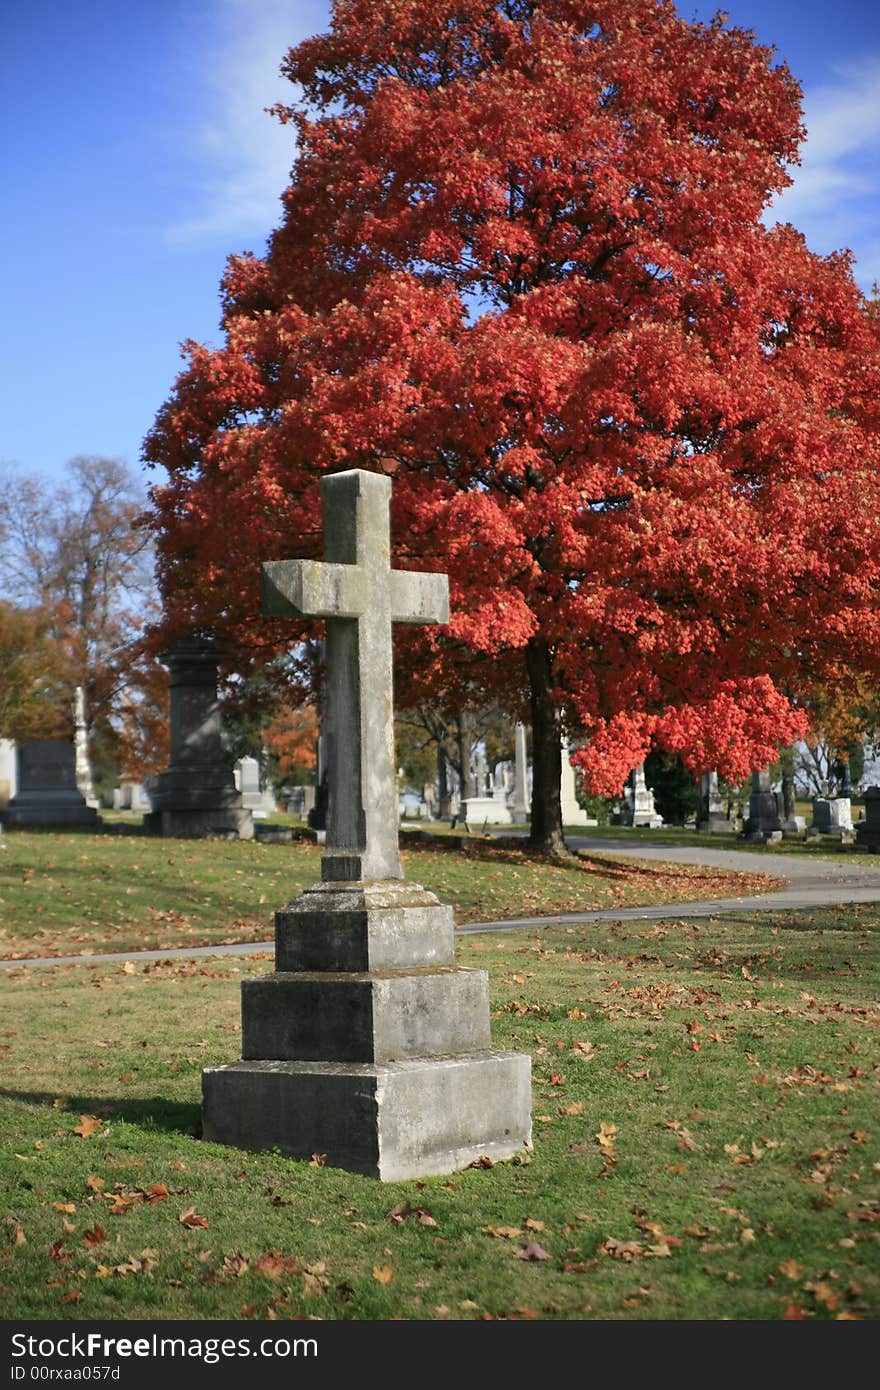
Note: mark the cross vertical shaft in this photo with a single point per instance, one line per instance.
(360, 596)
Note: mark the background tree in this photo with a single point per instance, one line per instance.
(77, 555)
(523, 266)
(33, 679)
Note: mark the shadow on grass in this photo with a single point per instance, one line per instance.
(155, 1112)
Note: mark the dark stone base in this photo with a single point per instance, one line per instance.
(224, 824)
(716, 823)
(46, 816)
(392, 1120)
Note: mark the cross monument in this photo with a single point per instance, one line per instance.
(360, 595)
(367, 1044)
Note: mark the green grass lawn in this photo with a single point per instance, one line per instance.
(706, 1141)
(75, 893)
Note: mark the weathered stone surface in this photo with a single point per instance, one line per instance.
(366, 1017)
(391, 925)
(361, 596)
(394, 1121)
(47, 793)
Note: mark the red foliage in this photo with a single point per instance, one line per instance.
(522, 256)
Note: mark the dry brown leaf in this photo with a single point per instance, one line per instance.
(64, 1206)
(88, 1124)
(276, 1266)
(188, 1218)
(96, 1236)
(383, 1274)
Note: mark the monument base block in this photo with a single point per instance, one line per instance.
(393, 1120)
(225, 824)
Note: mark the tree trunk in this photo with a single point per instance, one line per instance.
(546, 827)
(445, 808)
(466, 742)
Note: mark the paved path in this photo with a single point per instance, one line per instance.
(812, 882)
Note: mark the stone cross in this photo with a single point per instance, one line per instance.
(360, 596)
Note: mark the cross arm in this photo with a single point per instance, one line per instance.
(417, 597)
(312, 589)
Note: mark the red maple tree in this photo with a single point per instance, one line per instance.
(522, 263)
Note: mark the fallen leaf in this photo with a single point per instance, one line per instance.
(96, 1236)
(534, 1225)
(88, 1124)
(128, 968)
(95, 1183)
(383, 1274)
(275, 1266)
(188, 1218)
(64, 1206)
(791, 1269)
(72, 1296)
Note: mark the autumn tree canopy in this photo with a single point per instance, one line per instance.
(522, 265)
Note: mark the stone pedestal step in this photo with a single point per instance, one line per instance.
(393, 1121)
(385, 925)
(373, 1017)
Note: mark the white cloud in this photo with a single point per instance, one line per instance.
(241, 155)
(835, 198)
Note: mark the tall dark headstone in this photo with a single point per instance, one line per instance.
(47, 792)
(367, 1044)
(196, 796)
(764, 821)
(712, 818)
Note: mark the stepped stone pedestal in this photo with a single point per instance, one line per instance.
(367, 1045)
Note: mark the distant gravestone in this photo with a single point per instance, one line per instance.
(7, 772)
(47, 794)
(832, 815)
(764, 821)
(644, 812)
(253, 797)
(868, 829)
(712, 817)
(196, 796)
(520, 805)
(572, 811)
(81, 747)
(367, 1045)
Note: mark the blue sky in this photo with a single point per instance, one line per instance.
(137, 156)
